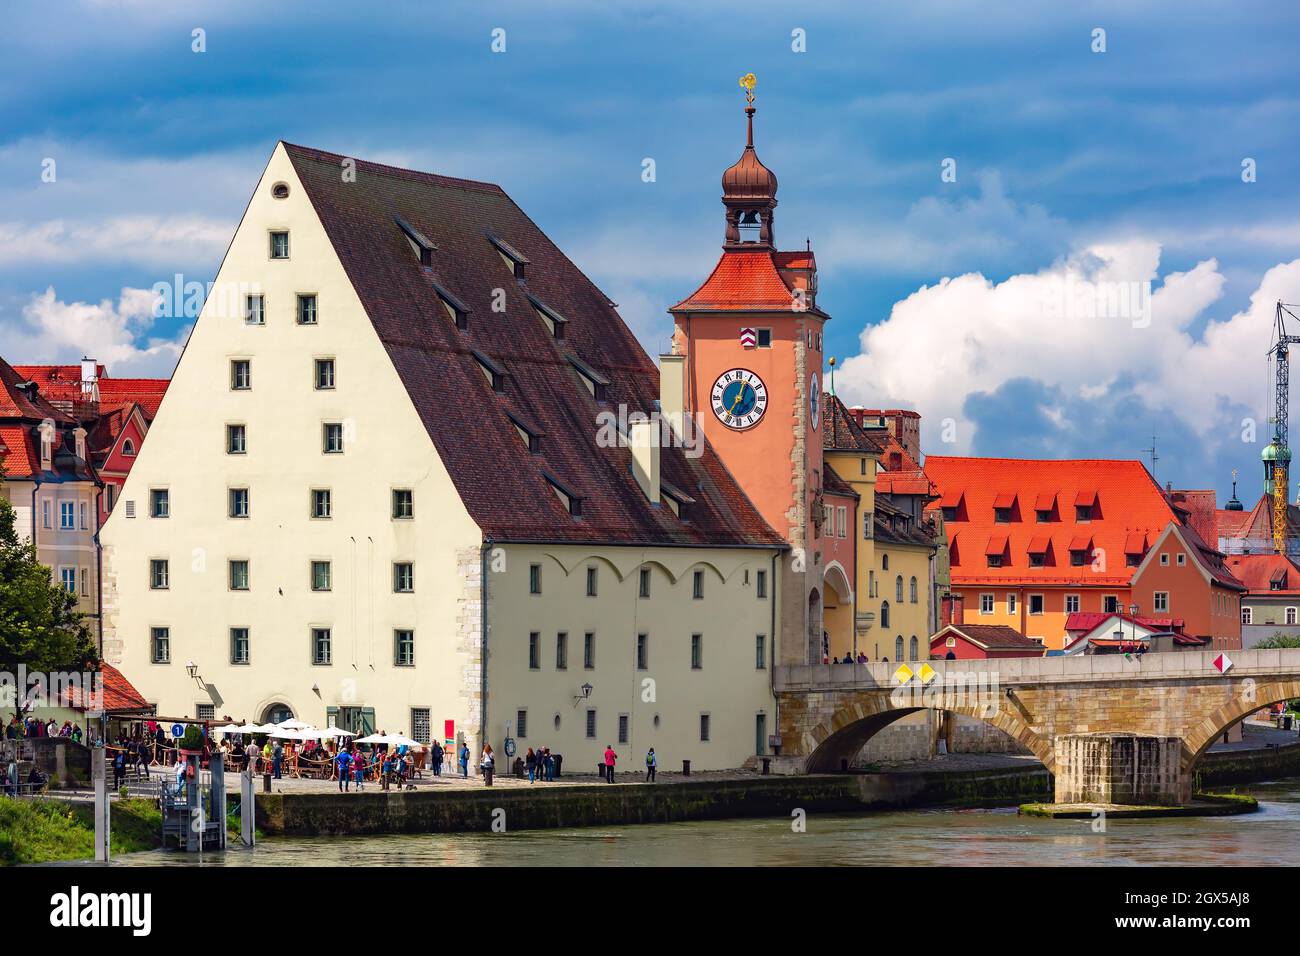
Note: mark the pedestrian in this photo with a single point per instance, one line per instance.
(487, 763)
(651, 764)
(344, 761)
(550, 765)
(277, 759)
(437, 759)
(359, 764)
(530, 762)
(119, 769)
(464, 759)
(610, 759)
(250, 756)
(180, 778)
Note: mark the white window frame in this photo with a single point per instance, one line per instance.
(1160, 602)
(1029, 605)
(988, 600)
(1078, 603)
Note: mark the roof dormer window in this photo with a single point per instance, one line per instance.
(595, 382)
(554, 321)
(531, 437)
(676, 499)
(514, 259)
(456, 310)
(420, 244)
(494, 373)
(571, 501)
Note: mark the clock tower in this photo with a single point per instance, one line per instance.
(748, 349)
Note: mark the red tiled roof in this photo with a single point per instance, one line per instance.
(1199, 505)
(1210, 559)
(119, 695)
(997, 544)
(63, 383)
(1126, 499)
(1039, 544)
(1087, 621)
(802, 259)
(17, 404)
(1257, 572)
(1004, 499)
(146, 392)
(1135, 542)
(17, 452)
(742, 281)
(503, 487)
(1045, 501)
(903, 483)
(989, 637)
(1081, 542)
(950, 497)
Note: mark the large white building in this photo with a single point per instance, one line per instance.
(374, 494)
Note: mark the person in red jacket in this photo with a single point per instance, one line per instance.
(610, 759)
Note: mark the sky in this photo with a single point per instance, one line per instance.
(1053, 230)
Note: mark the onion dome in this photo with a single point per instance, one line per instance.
(748, 180)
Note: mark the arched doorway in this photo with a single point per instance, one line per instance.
(816, 644)
(837, 612)
(277, 713)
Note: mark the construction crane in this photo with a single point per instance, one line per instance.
(1276, 455)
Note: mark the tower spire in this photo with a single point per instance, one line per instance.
(749, 189)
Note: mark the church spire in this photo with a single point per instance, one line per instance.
(749, 189)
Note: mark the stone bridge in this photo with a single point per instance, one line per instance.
(827, 712)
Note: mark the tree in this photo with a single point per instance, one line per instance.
(1278, 640)
(40, 625)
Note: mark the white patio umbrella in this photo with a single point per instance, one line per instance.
(331, 732)
(287, 733)
(373, 739)
(228, 729)
(398, 740)
(292, 724)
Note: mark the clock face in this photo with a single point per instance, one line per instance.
(739, 398)
(814, 401)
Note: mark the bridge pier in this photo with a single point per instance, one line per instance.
(1134, 769)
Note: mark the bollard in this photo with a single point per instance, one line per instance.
(686, 768)
(487, 776)
(266, 783)
(767, 766)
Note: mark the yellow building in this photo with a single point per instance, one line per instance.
(391, 486)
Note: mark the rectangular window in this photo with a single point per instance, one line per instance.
(205, 711)
(534, 579)
(236, 440)
(239, 645)
(642, 652)
(322, 503)
(45, 513)
(160, 643)
(986, 603)
(255, 310)
(589, 650)
(239, 574)
(644, 590)
(324, 374)
(1002, 515)
(239, 502)
(1078, 557)
(1246, 615)
(842, 521)
(69, 578)
(591, 582)
(760, 585)
(534, 650)
(591, 724)
(1071, 604)
(109, 490)
(321, 645)
(332, 438)
(85, 582)
(1111, 605)
(697, 651)
(421, 725)
(403, 577)
(403, 647)
(1160, 600)
(1011, 604)
(158, 574)
(279, 245)
(760, 652)
(1035, 604)
(306, 310)
(1181, 560)
(622, 728)
(82, 513)
(521, 724)
(697, 585)
(67, 516)
(704, 728)
(403, 503)
(562, 651)
(241, 374)
(1083, 513)
(1037, 560)
(320, 575)
(764, 338)
(159, 503)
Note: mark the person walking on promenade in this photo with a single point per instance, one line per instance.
(530, 762)
(487, 763)
(610, 759)
(344, 760)
(119, 769)
(359, 765)
(464, 759)
(437, 759)
(277, 759)
(651, 764)
(550, 766)
(250, 755)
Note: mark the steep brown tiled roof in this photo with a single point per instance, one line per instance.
(841, 432)
(501, 484)
(835, 485)
(989, 637)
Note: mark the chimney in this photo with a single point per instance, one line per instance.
(951, 609)
(89, 380)
(672, 390)
(644, 437)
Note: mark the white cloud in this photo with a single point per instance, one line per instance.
(969, 335)
(116, 334)
(147, 240)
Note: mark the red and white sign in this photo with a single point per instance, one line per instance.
(748, 339)
(1224, 663)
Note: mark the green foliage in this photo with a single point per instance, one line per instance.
(40, 830)
(193, 739)
(39, 622)
(1279, 640)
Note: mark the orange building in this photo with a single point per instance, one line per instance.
(1031, 542)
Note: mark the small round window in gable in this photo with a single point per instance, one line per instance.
(280, 190)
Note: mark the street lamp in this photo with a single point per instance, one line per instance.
(1133, 613)
(585, 693)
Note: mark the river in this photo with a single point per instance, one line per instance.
(904, 838)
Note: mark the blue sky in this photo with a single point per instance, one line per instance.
(1122, 166)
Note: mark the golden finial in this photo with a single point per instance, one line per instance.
(747, 83)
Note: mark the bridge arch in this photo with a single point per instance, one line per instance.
(1208, 731)
(854, 723)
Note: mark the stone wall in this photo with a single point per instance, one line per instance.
(1121, 768)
